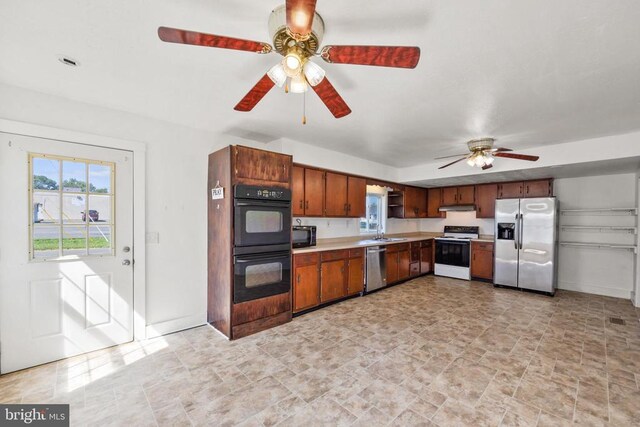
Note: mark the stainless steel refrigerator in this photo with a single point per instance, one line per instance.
(526, 246)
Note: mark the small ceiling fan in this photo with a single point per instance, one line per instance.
(297, 30)
(483, 154)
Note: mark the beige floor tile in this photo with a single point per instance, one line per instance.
(556, 398)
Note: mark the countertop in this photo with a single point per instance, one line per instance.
(360, 241)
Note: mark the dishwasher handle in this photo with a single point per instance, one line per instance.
(371, 251)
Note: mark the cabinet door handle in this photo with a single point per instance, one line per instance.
(527, 189)
(345, 207)
(349, 208)
(307, 205)
(300, 204)
(298, 279)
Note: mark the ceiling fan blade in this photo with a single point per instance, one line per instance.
(300, 17)
(500, 150)
(175, 35)
(449, 157)
(485, 167)
(517, 156)
(331, 98)
(256, 93)
(380, 56)
(452, 163)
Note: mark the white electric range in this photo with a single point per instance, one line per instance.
(453, 251)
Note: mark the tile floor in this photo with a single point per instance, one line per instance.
(432, 351)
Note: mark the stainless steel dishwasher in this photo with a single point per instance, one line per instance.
(376, 268)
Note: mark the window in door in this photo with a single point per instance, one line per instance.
(71, 207)
(374, 221)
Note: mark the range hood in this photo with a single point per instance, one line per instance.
(457, 208)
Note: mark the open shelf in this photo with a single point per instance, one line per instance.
(600, 211)
(601, 228)
(600, 246)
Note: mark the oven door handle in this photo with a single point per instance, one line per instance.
(283, 204)
(251, 258)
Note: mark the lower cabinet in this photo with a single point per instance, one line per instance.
(306, 277)
(398, 259)
(482, 260)
(391, 258)
(355, 267)
(426, 256)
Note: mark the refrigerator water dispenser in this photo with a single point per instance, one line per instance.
(506, 231)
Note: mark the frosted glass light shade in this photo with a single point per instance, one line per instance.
(277, 75)
(489, 159)
(292, 65)
(313, 72)
(298, 84)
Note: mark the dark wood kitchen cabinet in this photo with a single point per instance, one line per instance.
(534, 188)
(260, 167)
(227, 168)
(336, 188)
(486, 195)
(538, 188)
(415, 202)
(297, 191)
(333, 277)
(426, 256)
(355, 267)
(398, 259)
(510, 190)
(458, 195)
(356, 197)
(313, 192)
(306, 284)
(391, 258)
(482, 260)
(414, 266)
(434, 199)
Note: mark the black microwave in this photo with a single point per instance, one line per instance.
(304, 236)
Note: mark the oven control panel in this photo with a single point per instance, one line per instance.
(261, 193)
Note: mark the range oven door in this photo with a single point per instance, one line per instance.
(260, 223)
(261, 275)
(451, 252)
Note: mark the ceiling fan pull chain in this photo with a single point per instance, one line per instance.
(304, 108)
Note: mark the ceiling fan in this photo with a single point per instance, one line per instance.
(297, 30)
(483, 154)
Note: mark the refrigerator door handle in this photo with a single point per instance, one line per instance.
(516, 233)
(521, 227)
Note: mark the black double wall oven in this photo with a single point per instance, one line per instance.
(262, 242)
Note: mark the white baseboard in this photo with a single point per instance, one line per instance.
(595, 289)
(174, 325)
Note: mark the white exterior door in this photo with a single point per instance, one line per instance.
(66, 249)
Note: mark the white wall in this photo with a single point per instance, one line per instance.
(599, 271)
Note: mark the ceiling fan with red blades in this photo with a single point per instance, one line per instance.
(483, 154)
(297, 30)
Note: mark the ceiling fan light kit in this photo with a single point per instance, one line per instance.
(483, 154)
(296, 30)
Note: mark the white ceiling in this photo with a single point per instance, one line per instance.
(528, 72)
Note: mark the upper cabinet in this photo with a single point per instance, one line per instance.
(336, 186)
(356, 197)
(486, 195)
(458, 195)
(515, 190)
(434, 198)
(313, 192)
(415, 202)
(297, 191)
(311, 186)
(253, 166)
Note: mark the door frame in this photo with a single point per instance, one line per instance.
(138, 149)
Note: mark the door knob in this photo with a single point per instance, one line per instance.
(126, 262)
